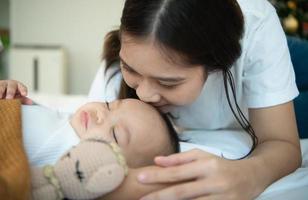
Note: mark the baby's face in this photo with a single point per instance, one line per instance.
(135, 126)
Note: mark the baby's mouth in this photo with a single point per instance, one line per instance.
(85, 119)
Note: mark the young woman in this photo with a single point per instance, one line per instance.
(215, 64)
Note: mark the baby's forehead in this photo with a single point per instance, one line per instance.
(146, 113)
(142, 106)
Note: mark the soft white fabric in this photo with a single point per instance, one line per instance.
(103, 88)
(47, 134)
(231, 144)
(64, 103)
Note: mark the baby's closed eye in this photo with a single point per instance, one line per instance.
(114, 135)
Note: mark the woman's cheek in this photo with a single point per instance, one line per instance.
(182, 96)
(130, 80)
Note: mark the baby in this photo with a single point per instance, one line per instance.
(80, 156)
(92, 167)
(138, 129)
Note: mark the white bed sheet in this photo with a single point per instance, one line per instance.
(293, 186)
(230, 144)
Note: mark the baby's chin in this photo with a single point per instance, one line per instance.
(73, 123)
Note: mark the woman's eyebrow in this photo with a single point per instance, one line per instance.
(126, 65)
(165, 79)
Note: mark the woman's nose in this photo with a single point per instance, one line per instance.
(147, 93)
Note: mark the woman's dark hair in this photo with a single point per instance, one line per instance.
(173, 134)
(203, 32)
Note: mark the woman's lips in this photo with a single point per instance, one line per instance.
(85, 119)
(158, 104)
(164, 108)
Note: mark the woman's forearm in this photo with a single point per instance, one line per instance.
(278, 152)
(272, 160)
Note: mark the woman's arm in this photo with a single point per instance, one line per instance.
(278, 152)
(208, 176)
(131, 189)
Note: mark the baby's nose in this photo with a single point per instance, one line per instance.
(99, 118)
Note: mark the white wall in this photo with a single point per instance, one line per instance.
(77, 25)
(4, 13)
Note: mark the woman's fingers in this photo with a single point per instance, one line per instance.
(172, 174)
(11, 89)
(211, 197)
(188, 190)
(3, 85)
(181, 158)
(26, 101)
(22, 89)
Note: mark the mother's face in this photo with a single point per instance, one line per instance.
(156, 79)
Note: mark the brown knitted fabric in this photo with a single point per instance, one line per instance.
(14, 167)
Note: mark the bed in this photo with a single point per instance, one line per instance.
(230, 144)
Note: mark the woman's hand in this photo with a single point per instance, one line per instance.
(200, 175)
(11, 89)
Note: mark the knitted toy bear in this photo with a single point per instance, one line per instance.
(89, 170)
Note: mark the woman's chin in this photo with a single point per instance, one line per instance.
(165, 108)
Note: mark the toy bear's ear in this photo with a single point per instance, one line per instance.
(106, 179)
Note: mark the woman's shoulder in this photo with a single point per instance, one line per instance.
(257, 13)
(259, 8)
(262, 27)
(104, 73)
(103, 78)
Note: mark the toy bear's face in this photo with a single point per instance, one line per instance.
(77, 167)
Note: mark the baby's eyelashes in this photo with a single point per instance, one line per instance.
(114, 135)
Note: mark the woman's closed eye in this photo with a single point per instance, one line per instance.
(127, 68)
(168, 85)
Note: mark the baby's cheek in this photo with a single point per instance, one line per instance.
(98, 133)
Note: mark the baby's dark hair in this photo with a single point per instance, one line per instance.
(173, 134)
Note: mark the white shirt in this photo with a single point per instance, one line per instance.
(263, 75)
(47, 134)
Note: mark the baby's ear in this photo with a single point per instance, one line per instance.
(106, 179)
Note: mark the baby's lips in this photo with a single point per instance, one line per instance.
(85, 119)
